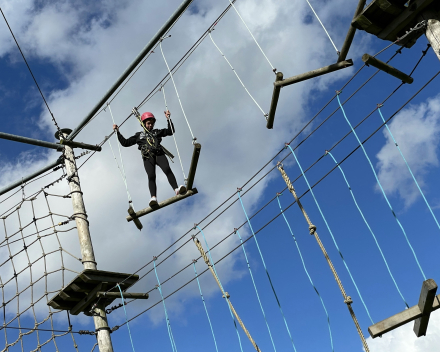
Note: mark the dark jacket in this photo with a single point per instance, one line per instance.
(148, 143)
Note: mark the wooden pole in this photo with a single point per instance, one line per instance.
(274, 103)
(432, 29)
(193, 166)
(351, 32)
(85, 241)
(370, 60)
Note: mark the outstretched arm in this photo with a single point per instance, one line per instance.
(169, 131)
(125, 142)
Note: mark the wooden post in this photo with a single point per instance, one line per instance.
(428, 303)
(85, 241)
(193, 166)
(274, 103)
(433, 29)
(351, 32)
(370, 60)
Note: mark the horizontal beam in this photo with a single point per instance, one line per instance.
(274, 102)
(427, 297)
(163, 204)
(315, 73)
(31, 176)
(145, 51)
(400, 319)
(124, 294)
(383, 66)
(193, 166)
(21, 139)
(73, 144)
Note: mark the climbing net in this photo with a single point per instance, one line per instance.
(37, 248)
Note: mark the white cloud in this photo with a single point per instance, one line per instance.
(403, 339)
(416, 130)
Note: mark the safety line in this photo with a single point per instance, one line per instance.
(407, 165)
(255, 287)
(204, 304)
(255, 40)
(221, 286)
(126, 319)
(323, 27)
(175, 88)
(236, 74)
(267, 272)
(174, 131)
(306, 271)
(381, 188)
(369, 228)
(122, 171)
(331, 233)
(170, 332)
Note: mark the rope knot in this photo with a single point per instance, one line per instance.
(239, 189)
(274, 70)
(227, 295)
(379, 105)
(279, 194)
(338, 92)
(286, 145)
(312, 229)
(326, 152)
(348, 300)
(280, 165)
(154, 258)
(195, 226)
(194, 261)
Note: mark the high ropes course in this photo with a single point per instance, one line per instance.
(284, 244)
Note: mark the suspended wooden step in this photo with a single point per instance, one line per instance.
(135, 219)
(81, 293)
(383, 66)
(163, 204)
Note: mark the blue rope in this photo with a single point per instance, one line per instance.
(409, 169)
(369, 228)
(256, 291)
(305, 269)
(170, 332)
(331, 233)
(381, 188)
(126, 319)
(226, 299)
(267, 272)
(204, 304)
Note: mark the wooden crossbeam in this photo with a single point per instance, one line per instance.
(428, 303)
(193, 166)
(383, 66)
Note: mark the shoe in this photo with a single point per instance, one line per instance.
(153, 202)
(181, 190)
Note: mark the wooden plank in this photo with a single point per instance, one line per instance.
(70, 296)
(427, 296)
(81, 305)
(399, 319)
(163, 204)
(193, 166)
(370, 60)
(84, 288)
(96, 278)
(404, 20)
(135, 219)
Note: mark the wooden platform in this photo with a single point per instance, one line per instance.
(390, 19)
(80, 294)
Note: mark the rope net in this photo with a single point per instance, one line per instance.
(37, 261)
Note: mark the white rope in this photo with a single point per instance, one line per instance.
(174, 137)
(325, 30)
(122, 171)
(259, 107)
(255, 40)
(175, 88)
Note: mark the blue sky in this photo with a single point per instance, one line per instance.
(76, 52)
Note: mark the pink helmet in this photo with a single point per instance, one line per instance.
(147, 115)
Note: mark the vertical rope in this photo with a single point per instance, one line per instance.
(312, 230)
(126, 319)
(204, 304)
(255, 287)
(255, 40)
(174, 137)
(407, 165)
(331, 234)
(175, 88)
(368, 226)
(380, 186)
(121, 170)
(306, 271)
(170, 332)
(211, 265)
(267, 272)
(323, 27)
(236, 74)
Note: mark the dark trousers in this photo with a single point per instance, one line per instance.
(150, 168)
